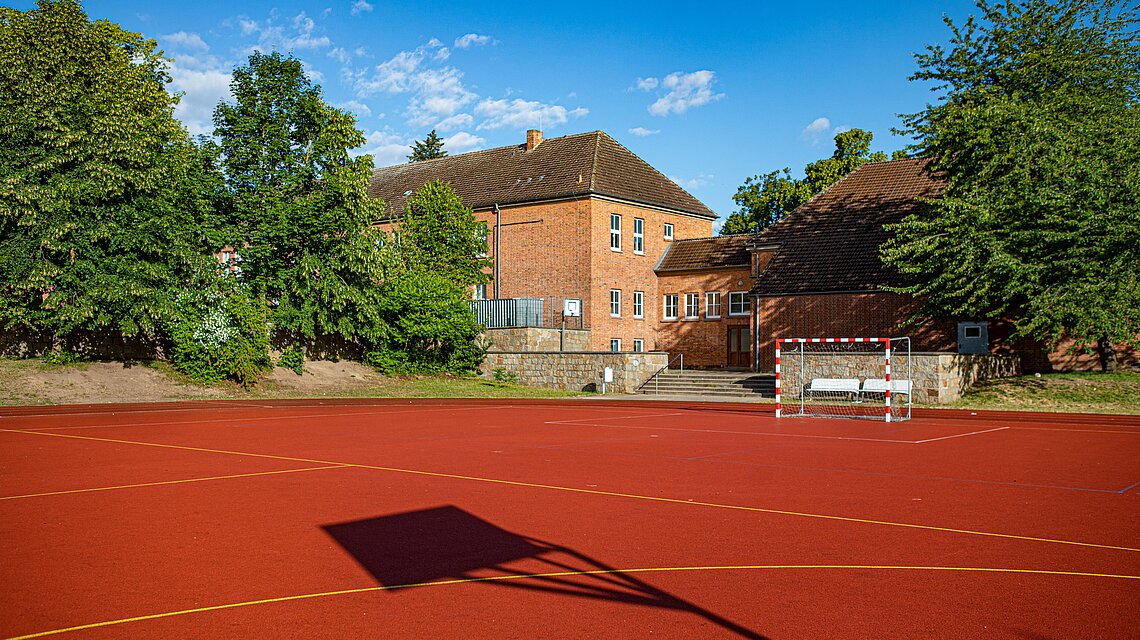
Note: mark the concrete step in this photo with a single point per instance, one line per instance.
(717, 384)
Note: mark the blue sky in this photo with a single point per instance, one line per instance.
(709, 93)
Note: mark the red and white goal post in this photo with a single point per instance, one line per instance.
(867, 378)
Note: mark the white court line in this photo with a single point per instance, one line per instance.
(644, 415)
(762, 433)
(960, 435)
(1127, 433)
(261, 419)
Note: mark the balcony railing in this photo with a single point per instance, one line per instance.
(522, 312)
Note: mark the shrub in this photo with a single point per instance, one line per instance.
(427, 327)
(292, 358)
(220, 335)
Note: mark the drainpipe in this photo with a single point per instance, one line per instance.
(498, 249)
(755, 333)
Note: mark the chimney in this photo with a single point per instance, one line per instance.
(533, 139)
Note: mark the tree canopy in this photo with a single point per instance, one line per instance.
(1036, 130)
(764, 200)
(441, 235)
(104, 201)
(430, 149)
(300, 214)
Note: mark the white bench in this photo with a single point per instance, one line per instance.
(833, 385)
(879, 385)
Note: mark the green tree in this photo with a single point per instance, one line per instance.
(441, 235)
(300, 211)
(764, 200)
(1037, 132)
(430, 149)
(104, 200)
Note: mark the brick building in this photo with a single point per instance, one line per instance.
(819, 273)
(577, 217)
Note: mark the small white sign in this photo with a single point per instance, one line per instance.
(608, 374)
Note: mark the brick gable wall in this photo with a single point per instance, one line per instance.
(704, 341)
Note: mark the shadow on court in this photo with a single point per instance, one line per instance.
(448, 543)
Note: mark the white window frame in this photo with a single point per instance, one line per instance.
(615, 232)
(479, 292)
(745, 303)
(639, 236)
(615, 345)
(692, 306)
(712, 302)
(638, 345)
(615, 303)
(669, 231)
(670, 297)
(639, 304)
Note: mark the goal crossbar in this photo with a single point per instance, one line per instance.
(843, 377)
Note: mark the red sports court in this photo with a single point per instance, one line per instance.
(563, 519)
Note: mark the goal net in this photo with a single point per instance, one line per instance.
(866, 378)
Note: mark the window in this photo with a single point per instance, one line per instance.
(639, 304)
(615, 345)
(615, 232)
(738, 303)
(692, 306)
(670, 306)
(615, 303)
(973, 332)
(712, 304)
(669, 231)
(481, 233)
(480, 292)
(638, 235)
(638, 345)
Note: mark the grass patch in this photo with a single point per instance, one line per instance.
(1086, 392)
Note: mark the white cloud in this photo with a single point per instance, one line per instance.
(457, 121)
(464, 41)
(340, 55)
(203, 86)
(300, 33)
(360, 6)
(647, 84)
(356, 107)
(387, 148)
(461, 142)
(701, 180)
(437, 92)
(817, 130)
(185, 41)
(642, 131)
(686, 91)
(523, 113)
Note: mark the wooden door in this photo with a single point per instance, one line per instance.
(739, 347)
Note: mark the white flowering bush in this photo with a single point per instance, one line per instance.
(220, 335)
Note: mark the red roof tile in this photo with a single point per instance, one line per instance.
(576, 165)
(831, 243)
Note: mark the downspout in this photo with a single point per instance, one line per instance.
(498, 249)
(755, 333)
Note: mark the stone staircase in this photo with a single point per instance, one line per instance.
(711, 384)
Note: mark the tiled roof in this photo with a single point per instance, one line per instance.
(831, 243)
(707, 253)
(576, 165)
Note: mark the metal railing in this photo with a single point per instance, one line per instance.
(680, 358)
(503, 313)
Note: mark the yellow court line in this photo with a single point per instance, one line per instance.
(155, 484)
(556, 574)
(596, 492)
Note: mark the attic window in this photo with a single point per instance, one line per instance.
(407, 193)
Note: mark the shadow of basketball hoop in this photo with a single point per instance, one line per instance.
(447, 543)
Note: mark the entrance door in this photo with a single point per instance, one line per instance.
(739, 347)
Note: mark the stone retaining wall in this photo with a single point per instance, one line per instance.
(936, 378)
(537, 339)
(577, 371)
